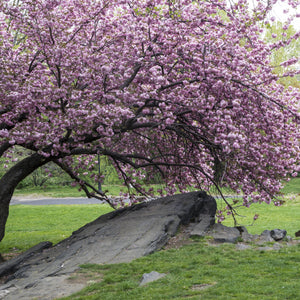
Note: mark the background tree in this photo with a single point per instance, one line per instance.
(281, 33)
(183, 88)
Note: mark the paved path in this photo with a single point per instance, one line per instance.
(53, 201)
(28, 200)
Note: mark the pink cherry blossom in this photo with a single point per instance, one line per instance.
(168, 87)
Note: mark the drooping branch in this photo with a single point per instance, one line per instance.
(128, 81)
(84, 185)
(5, 110)
(86, 22)
(32, 64)
(5, 146)
(262, 94)
(20, 118)
(127, 159)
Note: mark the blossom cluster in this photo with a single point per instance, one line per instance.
(183, 88)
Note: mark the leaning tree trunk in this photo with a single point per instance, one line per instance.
(10, 180)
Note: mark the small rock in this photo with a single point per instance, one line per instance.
(265, 237)
(200, 228)
(289, 238)
(265, 248)
(223, 234)
(3, 293)
(278, 234)
(243, 247)
(277, 246)
(200, 287)
(246, 236)
(152, 276)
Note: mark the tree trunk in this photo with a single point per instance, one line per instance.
(10, 180)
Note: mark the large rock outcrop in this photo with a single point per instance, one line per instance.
(119, 236)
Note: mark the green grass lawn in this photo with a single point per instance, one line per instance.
(58, 191)
(292, 187)
(68, 191)
(194, 271)
(200, 271)
(270, 217)
(29, 225)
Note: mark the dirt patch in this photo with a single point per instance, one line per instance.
(180, 239)
(85, 277)
(203, 286)
(5, 257)
(9, 255)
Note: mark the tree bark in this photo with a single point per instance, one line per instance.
(10, 180)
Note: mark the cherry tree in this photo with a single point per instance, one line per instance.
(181, 88)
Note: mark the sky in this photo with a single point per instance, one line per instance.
(280, 16)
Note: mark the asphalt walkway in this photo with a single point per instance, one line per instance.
(53, 201)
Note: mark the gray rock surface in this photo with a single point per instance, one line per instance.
(277, 246)
(265, 248)
(201, 228)
(224, 234)
(119, 236)
(241, 246)
(265, 237)
(278, 234)
(246, 236)
(12, 264)
(150, 277)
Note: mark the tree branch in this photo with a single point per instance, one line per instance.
(19, 119)
(266, 97)
(4, 147)
(84, 184)
(128, 81)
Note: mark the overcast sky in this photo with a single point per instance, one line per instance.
(280, 16)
